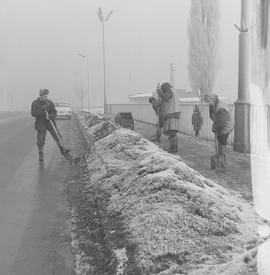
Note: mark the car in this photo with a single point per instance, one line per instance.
(63, 110)
(125, 120)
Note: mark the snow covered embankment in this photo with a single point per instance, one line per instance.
(177, 221)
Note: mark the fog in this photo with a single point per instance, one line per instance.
(40, 42)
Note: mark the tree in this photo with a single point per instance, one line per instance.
(80, 92)
(203, 32)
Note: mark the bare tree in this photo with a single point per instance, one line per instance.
(203, 32)
(81, 93)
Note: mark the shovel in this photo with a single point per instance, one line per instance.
(65, 152)
(215, 159)
(158, 126)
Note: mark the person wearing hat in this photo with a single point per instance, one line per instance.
(169, 118)
(222, 124)
(42, 123)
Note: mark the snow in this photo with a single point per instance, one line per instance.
(121, 259)
(178, 220)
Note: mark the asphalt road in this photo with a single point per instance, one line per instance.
(34, 211)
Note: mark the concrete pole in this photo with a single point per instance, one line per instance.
(104, 67)
(242, 104)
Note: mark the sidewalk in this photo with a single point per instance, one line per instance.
(196, 153)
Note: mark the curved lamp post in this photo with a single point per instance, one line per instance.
(103, 20)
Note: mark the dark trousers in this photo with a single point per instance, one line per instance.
(41, 134)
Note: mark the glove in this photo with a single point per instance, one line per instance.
(44, 107)
(52, 116)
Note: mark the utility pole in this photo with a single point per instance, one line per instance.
(242, 104)
(103, 20)
(172, 70)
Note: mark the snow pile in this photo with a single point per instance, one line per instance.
(95, 126)
(176, 219)
(242, 265)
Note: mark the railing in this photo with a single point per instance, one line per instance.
(259, 122)
(205, 132)
(259, 129)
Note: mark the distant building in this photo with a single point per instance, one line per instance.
(183, 95)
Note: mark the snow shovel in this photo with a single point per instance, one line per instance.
(158, 126)
(215, 158)
(65, 152)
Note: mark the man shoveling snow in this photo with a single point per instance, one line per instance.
(44, 111)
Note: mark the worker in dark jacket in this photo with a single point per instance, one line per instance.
(222, 123)
(42, 123)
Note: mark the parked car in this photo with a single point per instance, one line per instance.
(63, 109)
(125, 120)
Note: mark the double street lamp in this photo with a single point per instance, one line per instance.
(88, 92)
(103, 20)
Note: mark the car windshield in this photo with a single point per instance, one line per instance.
(61, 104)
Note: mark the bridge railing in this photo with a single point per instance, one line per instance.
(259, 122)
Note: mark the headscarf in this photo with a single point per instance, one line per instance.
(212, 99)
(164, 86)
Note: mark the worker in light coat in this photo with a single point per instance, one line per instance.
(166, 104)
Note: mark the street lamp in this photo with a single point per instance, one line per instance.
(102, 20)
(88, 92)
(242, 104)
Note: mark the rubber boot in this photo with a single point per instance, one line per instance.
(222, 157)
(40, 153)
(173, 144)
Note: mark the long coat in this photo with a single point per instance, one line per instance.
(169, 116)
(37, 111)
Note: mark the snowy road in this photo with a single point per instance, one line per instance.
(34, 212)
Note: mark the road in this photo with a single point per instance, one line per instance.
(34, 210)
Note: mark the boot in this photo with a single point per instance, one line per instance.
(40, 153)
(173, 144)
(222, 157)
(171, 149)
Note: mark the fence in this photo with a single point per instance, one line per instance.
(205, 132)
(143, 112)
(259, 129)
(259, 122)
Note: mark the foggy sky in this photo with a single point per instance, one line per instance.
(40, 42)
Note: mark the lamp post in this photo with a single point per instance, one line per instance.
(102, 20)
(88, 92)
(242, 105)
